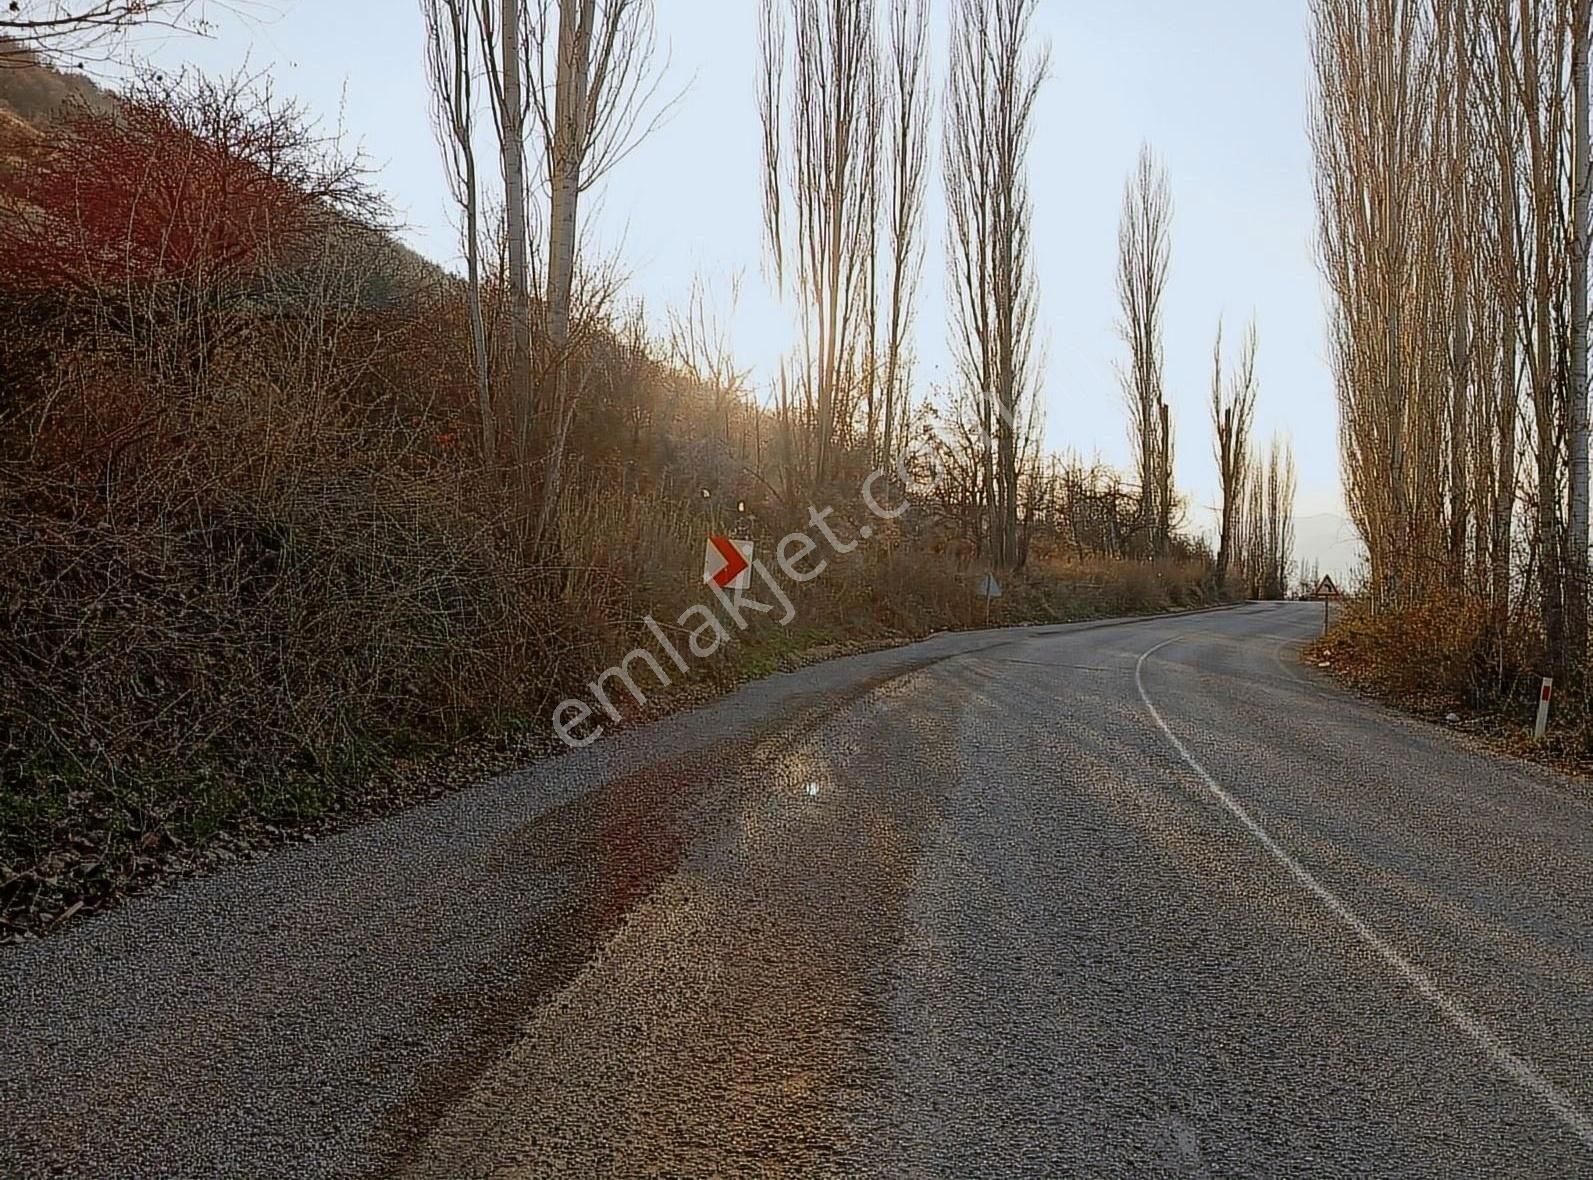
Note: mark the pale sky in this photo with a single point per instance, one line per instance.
(1218, 87)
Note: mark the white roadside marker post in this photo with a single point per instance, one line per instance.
(1543, 706)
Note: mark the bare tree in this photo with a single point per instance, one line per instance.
(451, 41)
(1232, 414)
(1267, 545)
(1382, 243)
(698, 343)
(1539, 47)
(994, 81)
(819, 138)
(908, 105)
(1577, 538)
(90, 28)
(1281, 487)
(1456, 167)
(1144, 259)
(601, 69)
(502, 24)
(1499, 288)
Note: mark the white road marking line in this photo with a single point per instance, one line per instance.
(1517, 1067)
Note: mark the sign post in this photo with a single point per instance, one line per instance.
(988, 589)
(1544, 696)
(1328, 591)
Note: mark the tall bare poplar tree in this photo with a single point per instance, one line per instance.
(1577, 538)
(451, 42)
(1455, 178)
(1540, 70)
(818, 72)
(502, 27)
(1280, 493)
(595, 81)
(1499, 287)
(1267, 532)
(994, 80)
(907, 100)
(1382, 241)
(1233, 407)
(1144, 258)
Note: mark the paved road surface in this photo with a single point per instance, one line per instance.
(1131, 900)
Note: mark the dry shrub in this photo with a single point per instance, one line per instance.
(231, 600)
(909, 592)
(1103, 587)
(636, 553)
(1443, 651)
(628, 553)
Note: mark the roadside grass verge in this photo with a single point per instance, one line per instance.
(1449, 660)
(176, 700)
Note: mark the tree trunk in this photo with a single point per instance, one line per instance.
(992, 494)
(1164, 478)
(512, 115)
(1225, 449)
(1459, 416)
(1504, 508)
(1006, 429)
(1576, 591)
(576, 21)
(478, 325)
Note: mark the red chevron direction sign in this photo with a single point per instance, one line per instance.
(727, 563)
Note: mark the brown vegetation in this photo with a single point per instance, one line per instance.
(1442, 659)
(259, 544)
(1453, 187)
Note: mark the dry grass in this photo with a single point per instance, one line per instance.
(1447, 658)
(229, 600)
(1441, 653)
(233, 601)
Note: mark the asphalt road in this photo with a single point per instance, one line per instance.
(1134, 900)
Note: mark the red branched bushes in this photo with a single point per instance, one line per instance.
(186, 182)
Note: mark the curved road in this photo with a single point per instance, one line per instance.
(1122, 900)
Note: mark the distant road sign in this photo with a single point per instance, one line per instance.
(727, 563)
(1327, 588)
(988, 587)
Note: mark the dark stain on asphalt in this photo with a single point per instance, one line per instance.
(764, 1063)
(608, 849)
